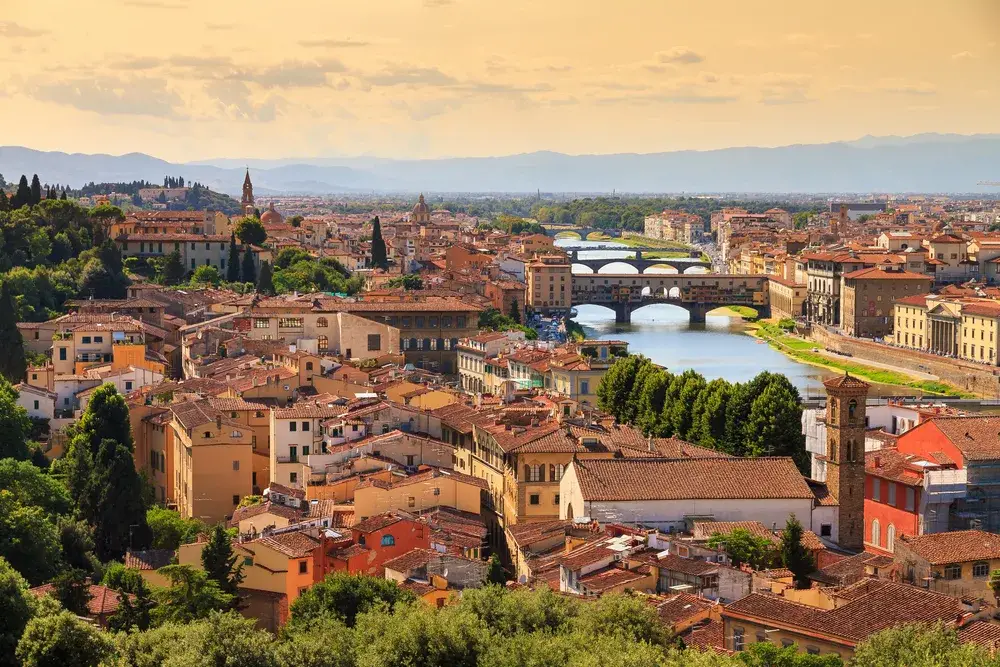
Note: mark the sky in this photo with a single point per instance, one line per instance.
(186, 80)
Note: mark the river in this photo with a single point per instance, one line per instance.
(719, 348)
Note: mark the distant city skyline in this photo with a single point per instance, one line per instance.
(439, 78)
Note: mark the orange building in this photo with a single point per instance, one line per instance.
(379, 539)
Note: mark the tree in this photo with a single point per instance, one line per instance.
(173, 269)
(33, 487)
(631, 412)
(4, 202)
(296, 221)
(265, 284)
(344, 596)
(615, 388)
(742, 546)
(410, 281)
(120, 507)
(206, 274)
(134, 608)
(233, 261)
(16, 603)
(22, 196)
(29, 541)
(326, 643)
(708, 415)
(13, 364)
(76, 539)
(794, 555)
(250, 231)
(103, 216)
(766, 654)
(680, 417)
(774, 425)
(380, 258)
(995, 584)
(36, 191)
(650, 400)
(106, 416)
(919, 646)
(626, 616)
(170, 530)
(494, 571)
(515, 311)
(191, 595)
(72, 588)
(62, 640)
(248, 271)
(219, 561)
(218, 639)
(15, 425)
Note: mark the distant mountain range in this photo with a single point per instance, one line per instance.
(920, 163)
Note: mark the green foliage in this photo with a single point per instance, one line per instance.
(29, 540)
(250, 231)
(794, 555)
(219, 561)
(233, 260)
(492, 319)
(379, 257)
(13, 363)
(191, 596)
(119, 577)
(248, 270)
(265, 283)
(325, 643)
(509, 613)
(62, 640)
(170, 530)
(919, 646)
(742, 546)
(787, 324)
(615, 389)
(72, 588)
(134, 608)
(344, 597)
(296, 221)
(623, 616)
(304, 273)
(16, 603)
(173, 270)
(766, 654)
(410, 281)
(206, 275)
(15, 425)
(494, 571)
(76, 540)
(219, 639)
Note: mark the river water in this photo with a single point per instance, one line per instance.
(719, 348)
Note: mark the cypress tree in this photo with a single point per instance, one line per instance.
(794, 554)
(515, 311)
(173, 270)
(63, 195)
(13, 364)
(120, 509)
(36, 190)
(23, 195)
(248, 271)
(219, 561)
(4, 202)
(379, 256)
(233, 262)
(264, 283)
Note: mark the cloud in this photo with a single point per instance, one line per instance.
(234, 98)
(331, 43)
(679, 55)
(109, 95)
(903, 87)
(685, 95)
(11, 29)
(438, 3)
(963, 55)
(781, 88)
(402, 75)
(137, 64)
(427, 109)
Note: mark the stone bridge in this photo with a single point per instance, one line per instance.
(583, 232)
(679, 264)
(696, 293)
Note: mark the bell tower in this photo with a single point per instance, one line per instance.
(247, 201)
(845, 456)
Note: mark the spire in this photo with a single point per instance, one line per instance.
(246, 181)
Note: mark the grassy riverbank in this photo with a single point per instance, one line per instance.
(802, 350)
(640, 242)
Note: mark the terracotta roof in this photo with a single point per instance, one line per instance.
(846, 381)
(889, 463)
(977, 437)
(705, 530)
(103, 600)
(274, 487)
(682, 479)
(871, 605)
(984, 633)
(679, 607)
(697, 568)
(424, 476)
(244, 513)
(191, 414)
(853, 569)
(292, 544)
(875, 273)
(710, 636)
(411, 560)
(150, 559)
(959, 546)
(377, 522)
(612, 577)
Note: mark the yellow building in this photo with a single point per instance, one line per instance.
(577, 374)
(787, 298)
(424, 490)
(550, 283)
(213, 458)
(956, 563)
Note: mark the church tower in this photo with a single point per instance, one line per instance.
(247, 201)
(845, 457)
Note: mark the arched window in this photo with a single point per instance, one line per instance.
(388, 541)
(413, 344)
(876, 537)
(324, 343)
(427, 344)
(890, 538)
(309, 365)
(852, 408)
(440, 343)
(322, 323)
(833, 411)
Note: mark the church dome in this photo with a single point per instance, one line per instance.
(421, 206)
(271, 215)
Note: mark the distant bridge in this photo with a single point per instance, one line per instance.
(583, 232)
(679, 264)
(696, 293)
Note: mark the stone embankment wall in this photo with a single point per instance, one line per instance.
(977, 378)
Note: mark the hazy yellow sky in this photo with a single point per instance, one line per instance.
(186, 79)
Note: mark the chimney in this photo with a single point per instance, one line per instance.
(649, 443)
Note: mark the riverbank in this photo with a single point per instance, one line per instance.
(641, 242)
(810, 352)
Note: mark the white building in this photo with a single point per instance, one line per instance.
(40, 403)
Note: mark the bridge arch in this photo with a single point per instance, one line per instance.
(696, 269)
(661, 268)
(570, 234)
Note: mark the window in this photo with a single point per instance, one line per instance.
(411, 502)
(534, 499)
(322, 323)
(409, 460)
(293, 426)
(953, 571)
(876, 537)
(289, 322)
(62, 354)
(738, 641)
(36, 405)
(910, 499)
(98, 339)
(556, 471)
(293, 477)
(261, 323)
(324, 343)
(305, 427)
(876, 490)
(303, 567)
(761, 636)
(248, 561)
(86, 340)
(309, 365)
(236, 465)
(812, 650)
(555, 499)
(892, 493)
(890, 538)
(374, 342)
(980, 569)
(785, 643)
(584, 387)
(535, 473)
(236, 499)
(388, 541)
(852, 408)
